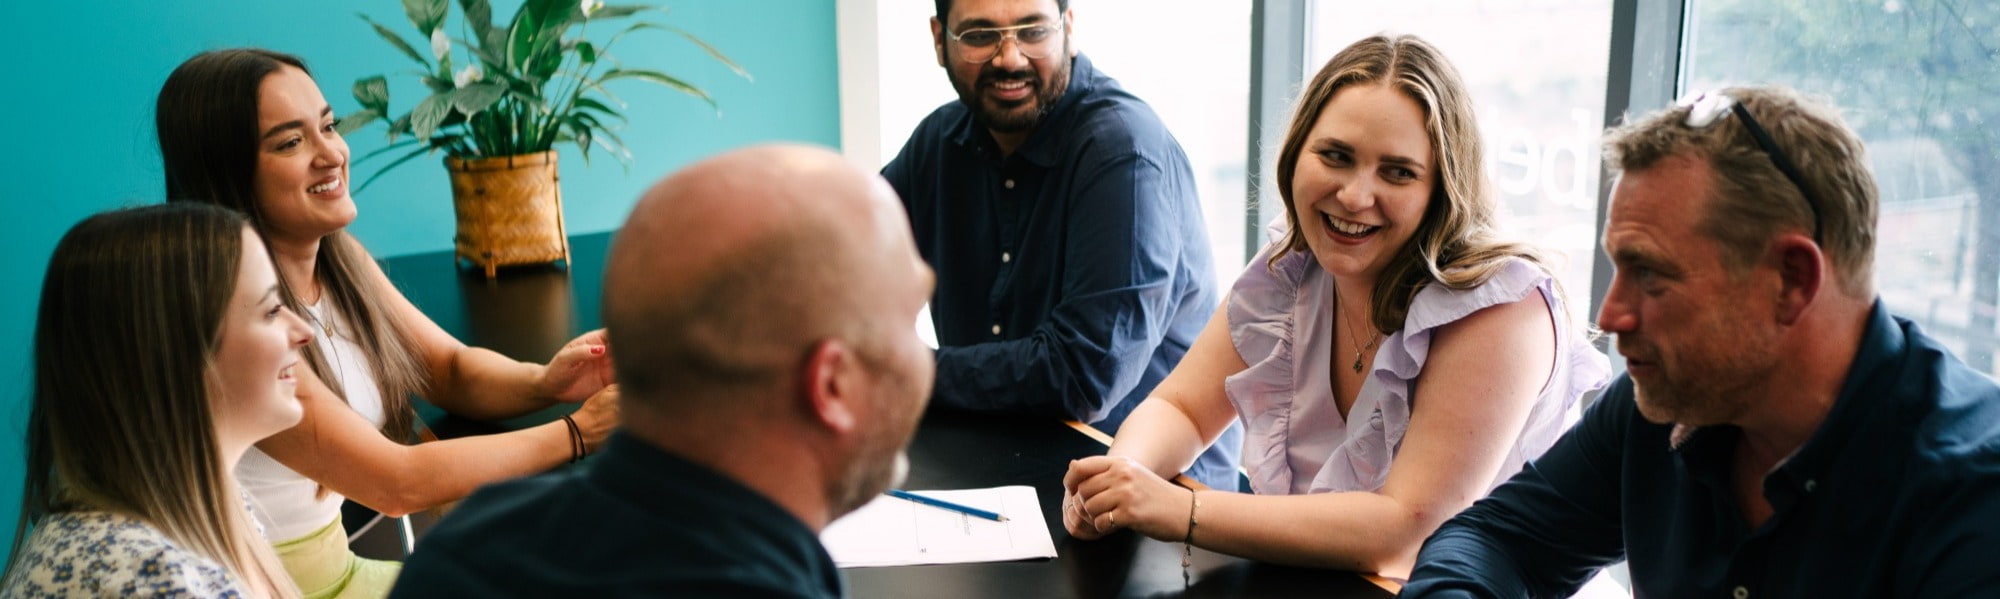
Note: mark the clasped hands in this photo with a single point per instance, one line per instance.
(579, 370)
(1102, 494)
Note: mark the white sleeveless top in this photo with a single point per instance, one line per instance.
(290, 504)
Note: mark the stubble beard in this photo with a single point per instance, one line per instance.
(1012, 118)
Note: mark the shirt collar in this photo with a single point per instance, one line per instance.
(644, 472)
(1041, 146)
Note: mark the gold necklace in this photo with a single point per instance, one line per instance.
(1346, 323)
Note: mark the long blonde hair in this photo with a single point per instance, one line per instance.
(206, 117)
(1457, 244)
(123, 417)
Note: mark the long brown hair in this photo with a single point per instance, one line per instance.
(1457, 243)
(123, 408)
(207, 123)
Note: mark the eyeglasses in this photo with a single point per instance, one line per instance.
(1033, 40)
(1705, 109)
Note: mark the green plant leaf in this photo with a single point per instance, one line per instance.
(713, 52)
(398, 42)
(386, 149)
(373, 92)
(662, 79)
(438, 85)
(590, 104)
(354, 121)
(617, 11)
(429, 114)
(493, 63)
(586, 52)
(478, 16)
(530, 101)
(427, 15)
(472, 99)
(391, 166)
(401, 126)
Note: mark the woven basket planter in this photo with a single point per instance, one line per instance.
(509, 210)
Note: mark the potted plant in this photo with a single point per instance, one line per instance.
(525, 86)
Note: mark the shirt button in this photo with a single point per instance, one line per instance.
(1006, 257)
(996, 329)
(1741, 593)
(1810, 484)
(1009, 184)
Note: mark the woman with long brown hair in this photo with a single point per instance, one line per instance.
(161, 354)
(1391, 357)
(250, 130)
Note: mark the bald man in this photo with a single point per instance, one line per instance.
(761, 304)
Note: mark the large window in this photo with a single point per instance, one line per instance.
(1536, 71)
(1920, 80)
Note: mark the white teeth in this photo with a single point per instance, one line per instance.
(324, 187)
(286, 373)
(1349, 228)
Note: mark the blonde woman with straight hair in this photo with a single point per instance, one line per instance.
(1391, 358)
(249, 129)
(162, 353)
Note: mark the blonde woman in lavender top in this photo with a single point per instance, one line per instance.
(1390, 358)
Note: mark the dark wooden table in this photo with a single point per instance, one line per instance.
(528, 312)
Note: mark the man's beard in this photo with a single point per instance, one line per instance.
(1014, 117)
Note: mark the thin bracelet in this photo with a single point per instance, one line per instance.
(1187, 542)
(575, 439)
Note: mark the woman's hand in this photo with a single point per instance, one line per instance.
(1110, 493)
(578, 370)
(597, 417)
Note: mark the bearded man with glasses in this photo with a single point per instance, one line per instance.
(1777, 433)
(1061, 216)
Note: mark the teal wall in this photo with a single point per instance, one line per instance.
(76, 120)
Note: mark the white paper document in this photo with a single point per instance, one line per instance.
(899, 532)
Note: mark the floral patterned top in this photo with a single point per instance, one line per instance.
(102, 554)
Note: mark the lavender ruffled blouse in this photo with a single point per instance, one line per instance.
(1295, 439)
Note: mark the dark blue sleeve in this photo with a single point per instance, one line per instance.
(1122, 251)
(1546, 530)
(897, 171)
(1957, 493)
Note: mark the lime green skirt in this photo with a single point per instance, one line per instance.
(325, 568)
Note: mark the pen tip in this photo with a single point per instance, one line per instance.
(1003, 518)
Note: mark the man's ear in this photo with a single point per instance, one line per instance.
(1069, 31)
(831, 387)
(1802, 271)
(937, 40)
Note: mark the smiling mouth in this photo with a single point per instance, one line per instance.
(1347, 228)
(324, 187)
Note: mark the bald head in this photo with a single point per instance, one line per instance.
(728, 271)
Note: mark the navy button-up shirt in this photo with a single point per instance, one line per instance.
(1071, 275)
(1897, 494)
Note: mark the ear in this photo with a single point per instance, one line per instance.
(1801, 274)
(1069, 29)
(832, 387)
(937, 40)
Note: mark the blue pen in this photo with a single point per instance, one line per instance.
(940, 503)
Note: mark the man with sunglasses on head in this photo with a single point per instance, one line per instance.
(1777, 432)
(1061, 217)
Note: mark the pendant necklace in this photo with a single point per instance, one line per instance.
(1376, 336)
